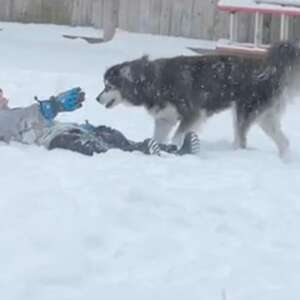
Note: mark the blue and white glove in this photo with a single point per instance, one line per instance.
(64, 102)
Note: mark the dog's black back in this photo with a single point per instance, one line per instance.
(210, 82)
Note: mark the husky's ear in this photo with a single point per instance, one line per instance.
(125, 72)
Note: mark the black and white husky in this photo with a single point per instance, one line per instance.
(187, 90)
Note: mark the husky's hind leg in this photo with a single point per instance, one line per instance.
(242, 120)
(271, 125)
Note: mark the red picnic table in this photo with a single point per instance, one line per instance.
(283, 8)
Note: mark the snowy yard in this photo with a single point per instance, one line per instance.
(127, 226)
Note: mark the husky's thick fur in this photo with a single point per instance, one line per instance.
(190, 89)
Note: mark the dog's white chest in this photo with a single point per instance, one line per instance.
(169, 113)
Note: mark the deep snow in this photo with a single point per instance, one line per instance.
(224, 224)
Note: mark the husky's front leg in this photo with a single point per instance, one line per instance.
(162, 130)
(179, 134)
(191, 124)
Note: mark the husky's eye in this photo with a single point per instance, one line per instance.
(108, 87)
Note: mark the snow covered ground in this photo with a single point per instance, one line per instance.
(222, 225)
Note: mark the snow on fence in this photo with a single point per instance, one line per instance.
(190, 18)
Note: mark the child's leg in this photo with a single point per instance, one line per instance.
(78, 141)
(173, 149)
(116, 140)
(191, 145)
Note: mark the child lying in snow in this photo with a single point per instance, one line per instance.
(35, 125)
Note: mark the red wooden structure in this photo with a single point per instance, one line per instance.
(259, 8)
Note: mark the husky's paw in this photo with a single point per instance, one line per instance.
(287, 156)
(191, 144)
(152, 147)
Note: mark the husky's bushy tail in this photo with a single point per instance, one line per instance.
(284, 55)
(283, 70)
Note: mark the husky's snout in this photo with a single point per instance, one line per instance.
(98, 98)
(109, 98)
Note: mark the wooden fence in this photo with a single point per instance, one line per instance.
(71, 12)
(189, 18)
